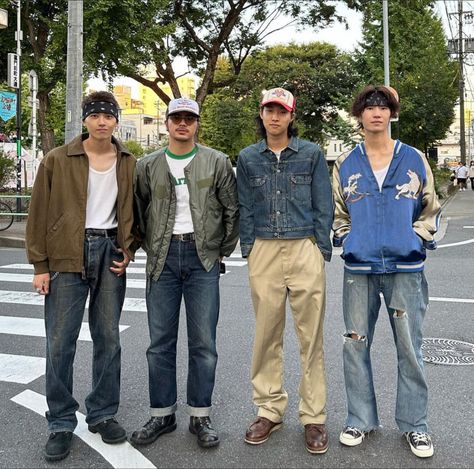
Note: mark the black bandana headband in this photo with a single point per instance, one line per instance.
(376, 99)
(97, 107)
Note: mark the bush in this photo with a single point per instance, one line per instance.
(7, 170)
(134, 148)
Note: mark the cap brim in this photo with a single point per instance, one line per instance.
(288, 108)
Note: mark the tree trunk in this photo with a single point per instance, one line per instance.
(47, 134)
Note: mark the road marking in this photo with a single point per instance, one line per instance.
(460, 243)
(122, 455)
(451, 300)
(35, 327)
(27, 298)
(468, 227)
(21, 369)
(130, 270)
(27, 278)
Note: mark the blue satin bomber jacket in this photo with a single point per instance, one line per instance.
(384, 230)
(286, 198)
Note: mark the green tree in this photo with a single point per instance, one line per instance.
(420, 68)
(198, 30)
(320, 77)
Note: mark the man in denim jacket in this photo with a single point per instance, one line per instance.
(286, 212)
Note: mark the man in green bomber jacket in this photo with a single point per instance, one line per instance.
(186, 200)
(79, 239)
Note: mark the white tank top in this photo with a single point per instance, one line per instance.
(380, 176)
(102, 192)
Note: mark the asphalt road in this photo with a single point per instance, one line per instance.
(450, 273)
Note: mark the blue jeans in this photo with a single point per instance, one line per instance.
(405, 292)
(183, 276)
(64, 312)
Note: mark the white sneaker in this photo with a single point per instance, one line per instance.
(420, 444)
(351, 436)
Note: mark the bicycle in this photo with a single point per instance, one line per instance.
(6, 216)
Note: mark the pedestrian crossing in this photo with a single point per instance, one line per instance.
(23, 369)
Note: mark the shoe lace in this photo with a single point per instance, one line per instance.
(353, 431)
(420, 437)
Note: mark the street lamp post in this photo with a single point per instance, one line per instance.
(19, 37)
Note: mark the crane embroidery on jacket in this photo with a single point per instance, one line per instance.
(410, 189)
(351, 194)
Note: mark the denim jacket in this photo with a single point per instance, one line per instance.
(289, 198)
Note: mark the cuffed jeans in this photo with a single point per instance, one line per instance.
(404, 292)
(64, 311)
(183, 276)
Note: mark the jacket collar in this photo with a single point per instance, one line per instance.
(396, 148)
(293, 144)
(76, 147)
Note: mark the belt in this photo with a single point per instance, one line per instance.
(183, 237)
(104, 233)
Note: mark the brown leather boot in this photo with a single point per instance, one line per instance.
(316, 438)
(260, 430)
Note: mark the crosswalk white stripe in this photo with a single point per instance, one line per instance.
(130, 269)
(27, 278)
(20, 369)
(122, 455)
(35, 327)
(27, 298)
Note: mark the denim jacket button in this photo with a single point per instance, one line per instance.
(275, 234)
(278, 212)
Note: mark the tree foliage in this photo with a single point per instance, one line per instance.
(44, 47)
(197, 30)
(420, 68)
(320, 77)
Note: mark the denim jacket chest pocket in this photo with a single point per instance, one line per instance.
(260, 188)
(300, 187)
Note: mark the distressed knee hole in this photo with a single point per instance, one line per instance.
(354, 336)
(399, 314)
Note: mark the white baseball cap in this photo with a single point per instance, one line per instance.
(182, 105)
(279, 96)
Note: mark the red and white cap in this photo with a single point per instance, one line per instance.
(279, 96)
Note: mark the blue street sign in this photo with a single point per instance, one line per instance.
(7, 105)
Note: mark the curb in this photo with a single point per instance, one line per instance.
(12, 242)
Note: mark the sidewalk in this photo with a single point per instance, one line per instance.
(14, 237)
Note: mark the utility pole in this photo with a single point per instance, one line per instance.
(19, 37)
(462, 141)
(74, 79)
(386, 50)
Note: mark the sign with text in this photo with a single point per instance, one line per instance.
(7, 105)
(13, 70)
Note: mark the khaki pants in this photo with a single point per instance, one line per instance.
(295, 269)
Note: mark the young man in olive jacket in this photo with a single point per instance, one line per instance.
(79, 239)
(186, 199)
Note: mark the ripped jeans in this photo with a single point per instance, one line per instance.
(406, 299)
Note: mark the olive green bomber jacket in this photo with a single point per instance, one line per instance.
(213, 202)
(57, 215)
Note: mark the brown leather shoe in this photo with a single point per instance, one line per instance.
(316, 438)
(260, 430)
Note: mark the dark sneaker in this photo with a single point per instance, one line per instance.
(155, 427)
(58, 446)
(420, 444)
(351, 436)
(206, 435)
(110, 431)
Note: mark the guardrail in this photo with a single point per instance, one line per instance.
(13, 212)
